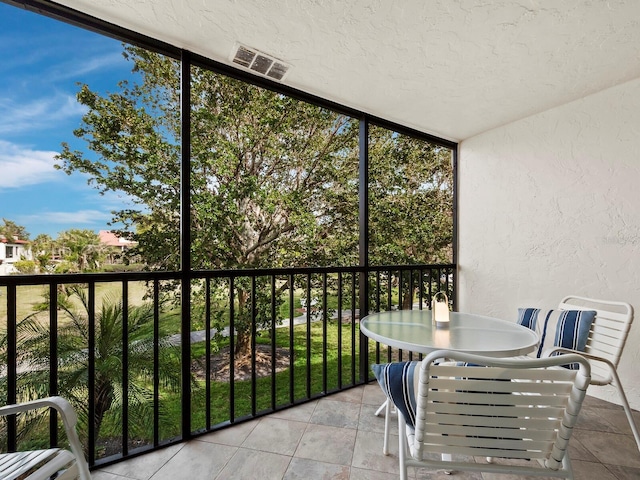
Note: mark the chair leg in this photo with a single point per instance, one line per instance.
(402, 447)
(387, 425)
(627, 408)
(386, 406)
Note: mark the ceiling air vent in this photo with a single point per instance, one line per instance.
(259, 62)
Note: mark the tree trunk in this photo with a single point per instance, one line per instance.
(406, 300)
(243, 327)
(243, 344)
(103, 401)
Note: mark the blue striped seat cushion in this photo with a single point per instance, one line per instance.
(558, 328)
(399, 382)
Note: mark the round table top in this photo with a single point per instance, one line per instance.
(413, 330)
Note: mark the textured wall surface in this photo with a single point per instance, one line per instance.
(550, 206)
(440, 66)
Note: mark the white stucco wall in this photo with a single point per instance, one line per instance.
(550, 206)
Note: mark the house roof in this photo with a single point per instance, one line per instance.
(15, 241)
(449, 68)
(111, 239)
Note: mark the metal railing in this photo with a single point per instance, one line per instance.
(114, 344)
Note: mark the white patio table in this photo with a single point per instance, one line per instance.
(413, 330)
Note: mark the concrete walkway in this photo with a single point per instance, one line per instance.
(200, 335)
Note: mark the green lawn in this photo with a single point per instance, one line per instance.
(170, 403)
(314, 372)
(30, 297)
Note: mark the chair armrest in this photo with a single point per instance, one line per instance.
(61, 405)
(561, 350)
(69, 420)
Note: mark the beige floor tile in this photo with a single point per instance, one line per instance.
(591, 401)
(233, 435)
(577, 451)
(618, 419)
(442, 474)
(275, 435)
(304, 469)
(501, 476)
(362, 474)
(368, 421)
(336, 413)
(198, 460)
(507, 476)
(591, 471)
(610, 448)
(368, 455)
(373, 394)
(353, 395)
(249, 464)
(424, 474)
(623, 473)
(300, 413)
(327, 444)
(596, 420)
(144, 466)
(101, 475)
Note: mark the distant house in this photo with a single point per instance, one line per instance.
(110, 239)
(12, 250)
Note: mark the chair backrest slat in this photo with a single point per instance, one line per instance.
(510, 408)
(608, 333)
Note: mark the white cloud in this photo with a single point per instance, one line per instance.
(39, 113)
(22, 166)
(74, 69)
(79, 218)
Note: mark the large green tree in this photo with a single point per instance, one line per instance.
(410, 199)
(410, 206)
(273, 179)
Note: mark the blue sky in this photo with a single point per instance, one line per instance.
(42, 62)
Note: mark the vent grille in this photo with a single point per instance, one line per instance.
(259, 62)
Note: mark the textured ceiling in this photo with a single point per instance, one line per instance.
(453, 68)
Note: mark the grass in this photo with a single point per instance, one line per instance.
(314, 372)
(340, 368)
(305, 384)
(30, 297)
(244, 402)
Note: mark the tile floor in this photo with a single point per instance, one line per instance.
(338, 437)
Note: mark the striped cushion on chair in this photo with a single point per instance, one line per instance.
(558, 328)
(399, 382)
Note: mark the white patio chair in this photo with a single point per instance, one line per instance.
(605, 344)
(43, 464)
(501, 408)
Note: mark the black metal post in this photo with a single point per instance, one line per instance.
(53, 363)
(12, 362)
(92, 373)
(125, 368)
(185, 240)
(454, 240)
(363, 215)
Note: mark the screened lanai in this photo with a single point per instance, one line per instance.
(540, 96)
(536, 102)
